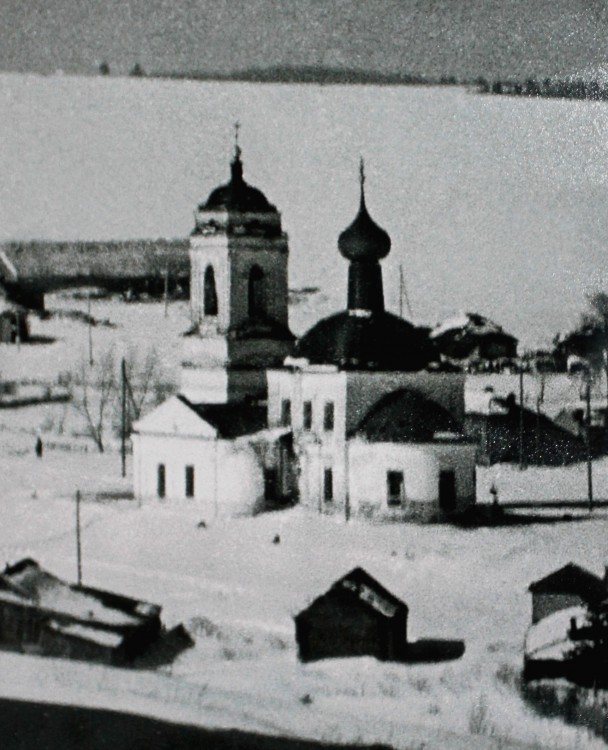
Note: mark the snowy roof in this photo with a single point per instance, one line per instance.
(571, 579)
(107, 638)
(548, 638)
(29, 582)
(370, 591)
(471, 323)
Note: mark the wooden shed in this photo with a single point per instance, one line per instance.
(357, 616)
(570, 586)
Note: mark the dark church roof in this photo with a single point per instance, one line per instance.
(571, 579)
(231, 420)
(237, 195)
(379, 341)
(406, 416)
(364, 240)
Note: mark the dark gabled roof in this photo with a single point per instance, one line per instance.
(231, 420)
(360, 586)
(571, 579)
(379, 341)
(406, 416)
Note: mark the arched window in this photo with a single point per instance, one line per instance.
(257, 300)
(210, 293)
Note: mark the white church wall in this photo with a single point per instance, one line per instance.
(317, 387)
(421, 464)
(228, 478)
(204, 251)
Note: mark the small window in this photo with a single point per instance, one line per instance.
(161, 480)
(285, 413)
(189, 481)
(394, 487)
(307, 415)
(328, 416)
(328, 485)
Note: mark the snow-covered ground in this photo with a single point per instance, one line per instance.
(237, 592)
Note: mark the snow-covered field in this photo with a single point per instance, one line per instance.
(237, 592)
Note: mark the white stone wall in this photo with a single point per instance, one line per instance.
(421, 464)
(228, 477)
(212, 251)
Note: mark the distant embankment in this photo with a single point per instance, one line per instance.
(29, 269)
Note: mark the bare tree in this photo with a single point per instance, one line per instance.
(94, 393)
(145, 387)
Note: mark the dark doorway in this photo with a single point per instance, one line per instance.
(394, 487)
(447, 490)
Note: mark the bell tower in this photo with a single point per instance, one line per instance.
(238, 293)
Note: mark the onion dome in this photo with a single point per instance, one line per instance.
(406, 416)
(364, 240)
(237, 195)
(380, 341)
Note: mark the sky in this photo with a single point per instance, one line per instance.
(464, 38)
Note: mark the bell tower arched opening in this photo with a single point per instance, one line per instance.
(256, 293)
(209, 292)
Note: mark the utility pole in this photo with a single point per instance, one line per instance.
(346, 483)
(166, 289)
(78, 545)
(521, 418)
(123, 417)
(89, 329)
(588, 430)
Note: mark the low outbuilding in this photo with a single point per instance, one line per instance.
(40, 613)
(357, 616)
(570, 586)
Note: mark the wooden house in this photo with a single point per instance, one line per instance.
(40, 613)
(357, 616)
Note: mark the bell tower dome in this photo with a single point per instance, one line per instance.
(238, 292)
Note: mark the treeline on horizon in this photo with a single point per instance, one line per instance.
(567, 88)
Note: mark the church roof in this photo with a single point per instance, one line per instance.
(364, 240)
(237, 195)
(231, 420)
(405, 416)
(378, 341)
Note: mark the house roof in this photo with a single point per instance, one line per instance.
(28, 582)
(405, 416)
(571, 579)
(231, 420)
(470, 324)
(360, 586)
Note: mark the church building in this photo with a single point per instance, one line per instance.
(347, 420)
